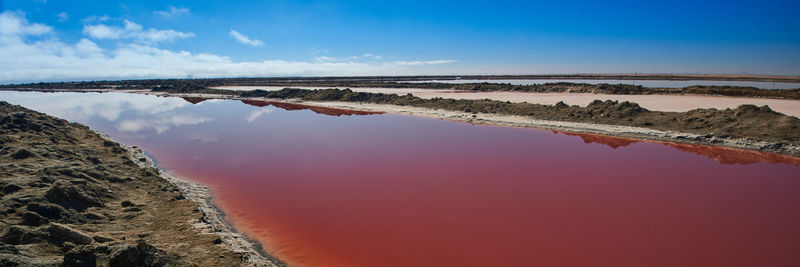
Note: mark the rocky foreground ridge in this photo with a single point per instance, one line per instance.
(70, 197)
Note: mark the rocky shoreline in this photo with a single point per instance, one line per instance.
(74, 197)
(213, 220)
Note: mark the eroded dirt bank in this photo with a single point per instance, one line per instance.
(72, 197)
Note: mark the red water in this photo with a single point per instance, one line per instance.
(389, 190)
(403, 191)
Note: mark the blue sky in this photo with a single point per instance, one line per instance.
(44, 40)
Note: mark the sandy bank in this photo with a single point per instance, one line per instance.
(676, 103)
(577, 127)
(521, 121)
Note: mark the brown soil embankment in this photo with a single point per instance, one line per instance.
(746, 121)
(71, 197)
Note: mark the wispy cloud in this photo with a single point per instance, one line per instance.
(320, 51)
(25, 56)
(62, 17)
(424, 62)
(134, 31)
(244, 39)
(367, 56)
(96, 18)
(371, 56)
(172, 12)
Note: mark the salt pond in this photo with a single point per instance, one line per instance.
(328, 187)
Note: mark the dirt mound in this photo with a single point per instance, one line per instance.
(746, 121)
(63, 186)
(614, 109)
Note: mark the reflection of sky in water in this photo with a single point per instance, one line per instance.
(130, 113)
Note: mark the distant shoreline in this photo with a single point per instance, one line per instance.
(641, 133)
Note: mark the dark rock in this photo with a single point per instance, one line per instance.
(18, 235)
(117, 150)
(218, 241)
(94, 160)
(69, 196)
(50, 211)
(93, 216)
(32, 219)
(22, 154)
(127, 203)
(102, 239)
(46, 179)
(74, 174)
(83, 256)
(63, 233)
(142, 254)
(10, 188)
(132, 209)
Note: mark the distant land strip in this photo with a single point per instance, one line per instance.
(395, 82)
(746, 121)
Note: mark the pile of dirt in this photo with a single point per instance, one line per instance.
(72, 198)
(745, 121)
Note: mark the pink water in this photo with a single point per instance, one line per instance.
(390, 190)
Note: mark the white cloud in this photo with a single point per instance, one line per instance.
(24, 60)
(172, 12)
(101, 31)
(258, 113)
(243, 39)
(62, 17)
(134, 31)
(14, 25)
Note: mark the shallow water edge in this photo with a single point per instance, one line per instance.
(213, 218)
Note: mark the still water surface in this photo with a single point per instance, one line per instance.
(328, 187)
